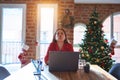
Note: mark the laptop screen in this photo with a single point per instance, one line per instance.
(63, 61)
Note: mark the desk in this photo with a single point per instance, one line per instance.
(26, 73)
(96, 73)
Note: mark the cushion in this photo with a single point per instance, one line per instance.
(115, 70)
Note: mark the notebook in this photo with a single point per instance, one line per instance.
(63, 61)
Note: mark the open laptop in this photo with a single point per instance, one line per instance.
(63, 61)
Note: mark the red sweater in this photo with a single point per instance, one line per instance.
(54, 47)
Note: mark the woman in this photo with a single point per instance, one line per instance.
(59, 43)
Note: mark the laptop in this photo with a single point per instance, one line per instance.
(63, 61)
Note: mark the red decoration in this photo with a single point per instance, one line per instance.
(36, 43)
(24, 50)
(111, 55)
(22, 58)
(113, 52)
(106, 41)
(103, 64)
(90, 31)
(112, 46)
(101, 26)
(90, 50)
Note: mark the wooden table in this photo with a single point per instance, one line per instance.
(26, 73)
(96, 73)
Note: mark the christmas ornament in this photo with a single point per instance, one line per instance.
(106, 41)
(101, 26)
(102, 47)
(83, 55)
(87, 55)
(80, 50)
(90, 50)
(95, 22)
(97, 60)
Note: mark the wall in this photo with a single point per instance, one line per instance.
(31, 19)
(81, 13)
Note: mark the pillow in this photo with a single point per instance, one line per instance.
(115, 70)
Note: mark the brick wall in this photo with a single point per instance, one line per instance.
(81, 13)
(31, 19)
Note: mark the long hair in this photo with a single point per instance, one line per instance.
(54, 39)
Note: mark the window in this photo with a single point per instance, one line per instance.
(79, 31)
(12, 20)
(111, 27)
(47, 22)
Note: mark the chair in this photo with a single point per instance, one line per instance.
(115, 71)
(3, 72)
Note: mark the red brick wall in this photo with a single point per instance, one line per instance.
(31, 19)
(81, 13)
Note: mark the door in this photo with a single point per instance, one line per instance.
(47, 22)
(12, 31)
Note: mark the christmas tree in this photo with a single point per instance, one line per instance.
(95, 48)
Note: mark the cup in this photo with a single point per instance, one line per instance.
(87, 68)
(81, 63)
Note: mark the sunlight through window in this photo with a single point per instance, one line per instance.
(47, 22)
(47, 18)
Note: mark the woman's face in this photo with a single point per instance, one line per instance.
(60, 36)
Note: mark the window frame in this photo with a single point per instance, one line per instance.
(112, 27)
(24, 16)
(79, 25)
(55, 6)
(23, 21)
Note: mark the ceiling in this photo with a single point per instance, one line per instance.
(98, 1)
